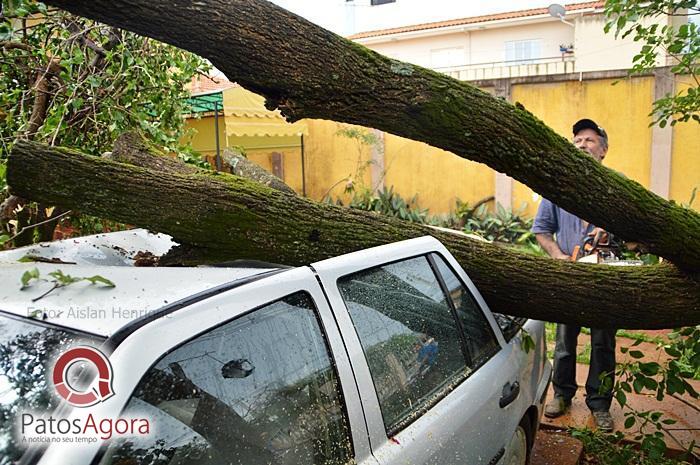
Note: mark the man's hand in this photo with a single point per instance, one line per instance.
(599, 235)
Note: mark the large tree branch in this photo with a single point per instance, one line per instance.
(308, 72)
(227, 217)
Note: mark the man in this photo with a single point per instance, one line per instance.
(571, 231)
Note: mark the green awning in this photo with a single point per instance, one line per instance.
(203, 103)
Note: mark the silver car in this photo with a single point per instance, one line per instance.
(383, 356)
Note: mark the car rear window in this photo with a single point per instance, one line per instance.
(27, 347)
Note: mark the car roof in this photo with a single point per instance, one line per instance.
(110, 249)
(102, 310)
(97, 308)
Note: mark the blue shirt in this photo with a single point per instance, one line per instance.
(567, 228)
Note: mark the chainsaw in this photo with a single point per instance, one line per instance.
(602, 247)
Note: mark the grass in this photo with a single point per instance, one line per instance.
(584, 355)
(551, 338)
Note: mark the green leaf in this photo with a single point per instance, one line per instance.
(649, 369)
(629, 422)
(672, 351)
(99, 279)
(63, 279)
(638, 385)
(3, 239)
(621, 398)
(28, 276)
(650, 383)
(636, 354)
(674, 385)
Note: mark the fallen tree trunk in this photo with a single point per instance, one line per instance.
(308, 72)
(226, 217)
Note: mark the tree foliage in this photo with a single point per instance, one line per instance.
(643, 20)
(75, 82)
(95, 81)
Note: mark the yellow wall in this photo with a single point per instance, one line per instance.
(685, 161)
(202, 137)
(330, 159)
(438, 177)
(621, 109)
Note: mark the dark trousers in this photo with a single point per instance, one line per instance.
(602, 361)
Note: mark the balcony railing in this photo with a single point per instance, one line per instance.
(509, 69)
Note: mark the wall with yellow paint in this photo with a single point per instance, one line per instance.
(202, 137)
(685, 161)
(621, 109)
(438, 177)
(332, 159)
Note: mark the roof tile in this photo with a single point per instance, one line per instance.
(473, 20)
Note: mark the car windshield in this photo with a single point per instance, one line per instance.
(27, 346)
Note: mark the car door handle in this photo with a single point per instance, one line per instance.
(510, 393)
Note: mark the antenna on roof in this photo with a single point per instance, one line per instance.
(558, 11)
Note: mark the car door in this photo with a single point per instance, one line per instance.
(254, 375)
(437, 381)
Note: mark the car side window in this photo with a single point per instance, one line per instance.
(481, 342)
(409, 337)
(260, 389)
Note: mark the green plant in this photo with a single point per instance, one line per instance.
(387, 202)
(506, 226)
(663, 378)
(75, 82)
(680, 42)
(611, 449)
(363, 136)
(3, 176)
(85, 225)
(692, 198)
(60, 279)
(527, 343)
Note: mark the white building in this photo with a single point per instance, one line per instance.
(500, 45)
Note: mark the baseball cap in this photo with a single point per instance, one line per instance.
(589, 124)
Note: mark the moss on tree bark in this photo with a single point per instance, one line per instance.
(222, 217)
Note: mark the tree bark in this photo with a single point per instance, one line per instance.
(224, 217)
(308, 72)
(241, 166)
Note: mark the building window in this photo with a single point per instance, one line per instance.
(523, 51)
(447, 57)
(382, 2)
